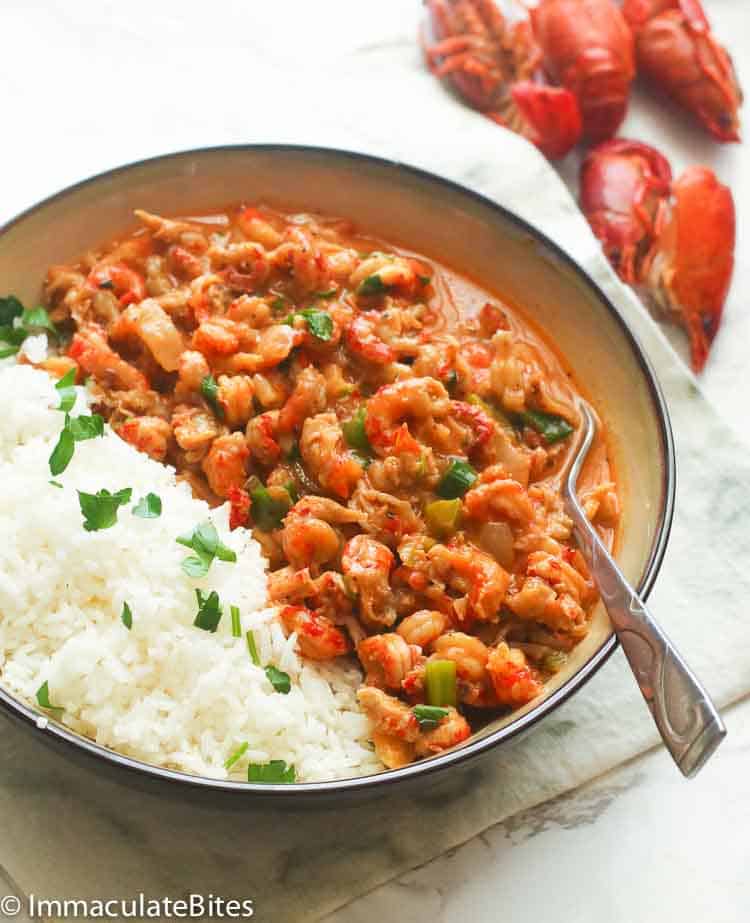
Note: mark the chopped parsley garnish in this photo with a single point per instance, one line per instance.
(237, 755)
(100, 509)
(37, 319)
(319, 323)
(42, 697)
(251, 648)
(75, 429)
(210, 390)
(275, 772)
(10, 309)
(85, 427)
(56, 484)
(13, 336)
(204, 541)
(107, 283)
(126, 617)
(148, 507)
(62, 452)
(17, 322)
(424, 280)
(551, 427)
(67, 391)
(372, 285)
(278, 679)
(457, 479)
(236, 624)
(429, 716)
(329, 293)
(209, 611)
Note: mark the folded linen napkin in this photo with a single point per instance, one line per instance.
(70, 833)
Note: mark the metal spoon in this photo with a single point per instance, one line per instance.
(687, 719)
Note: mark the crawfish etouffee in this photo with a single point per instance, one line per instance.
(392, 434)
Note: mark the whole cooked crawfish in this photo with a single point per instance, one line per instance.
(677, 51)
(588, 48)
(496, 67)
(674, 239)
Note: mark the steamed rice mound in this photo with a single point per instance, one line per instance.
(165, 691)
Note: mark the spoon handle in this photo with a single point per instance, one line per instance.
(687, 719)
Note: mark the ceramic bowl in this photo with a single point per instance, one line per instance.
(459, 228)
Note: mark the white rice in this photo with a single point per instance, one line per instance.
(165, 692)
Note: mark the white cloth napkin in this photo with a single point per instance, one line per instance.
(70, 833)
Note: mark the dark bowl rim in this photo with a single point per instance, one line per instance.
(524, 723)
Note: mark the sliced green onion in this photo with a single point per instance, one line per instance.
(237, 755)
(291, 488)
(268, 509)
(42, 697)
(210, 390)
(554, 661)
(443, 517)
(251, 648)
(491, 411)
(355, 433)
(276, 771)
(550, 427)
(457, 480)
(429, 716)
(236, 625)
(293, 454)
(440, 682)
(279, 680)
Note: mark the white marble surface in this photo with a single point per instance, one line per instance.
(635, 844)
